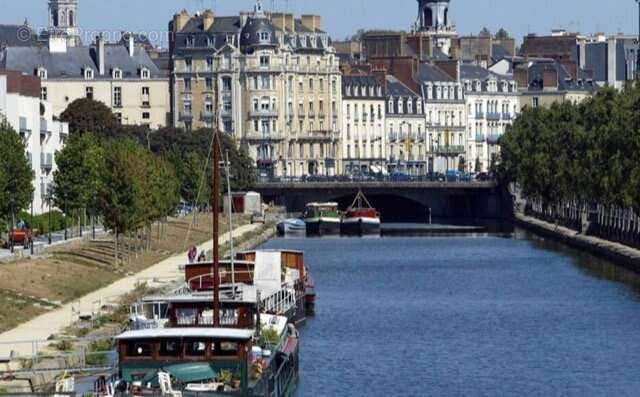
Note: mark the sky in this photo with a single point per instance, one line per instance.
(342, 18)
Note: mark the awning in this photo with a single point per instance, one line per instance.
(191, 372)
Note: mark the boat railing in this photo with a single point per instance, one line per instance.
(280, 302)
(228, 318)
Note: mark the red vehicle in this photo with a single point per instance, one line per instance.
(22, 236)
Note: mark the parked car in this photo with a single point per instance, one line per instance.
(399, 177)
(20, 236)
(257, 217)
(436, 177)
(454, 176)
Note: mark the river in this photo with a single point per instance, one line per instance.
(467, 316)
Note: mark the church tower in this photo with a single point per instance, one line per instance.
(434, 21)
(63, 20)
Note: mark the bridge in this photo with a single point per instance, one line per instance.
(399, 201)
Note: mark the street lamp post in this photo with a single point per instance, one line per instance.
(49, 206)
(638, 49)
(31, 242)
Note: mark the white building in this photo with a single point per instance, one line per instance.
(492, 105)
(32, 118)
(446, 115)
(408, 150)
(364, 143)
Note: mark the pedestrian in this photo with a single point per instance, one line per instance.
(202, 257)
(192, 254)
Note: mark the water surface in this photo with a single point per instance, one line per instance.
(466, 316)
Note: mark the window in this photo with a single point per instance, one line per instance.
(226, 84)
(118, 117)
(190, 41)
(117, 97)
(264, 36)
(208, 82)
(188, 62)
(264, 60)
(211, 42)
(209, 63)
(534, 102)
(170, 348)
(146, 116)
(187, 84)
(88, 92)
(139, 349)
(117, 73)
(43, 93)
(195, 348)
(42, 73)
(310, 84)
(145, 90)
(88, 73)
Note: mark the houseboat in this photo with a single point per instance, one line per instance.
(322, 219)
(360, 218)
(210, 337)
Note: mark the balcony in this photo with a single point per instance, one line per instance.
(44, 127)
(263, 113)
(450, 150)
(146, 104)
(312, 114)
(318, 136)
(479, 137)
(507, 116)
(493, 138)
(46, 161)
(479, 115)
(393, 136)
(24, 128)
(493, 116)
(185, 116)
(207, 116)
(263, 136)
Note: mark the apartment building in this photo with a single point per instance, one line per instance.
(32, 118)
(270, 80)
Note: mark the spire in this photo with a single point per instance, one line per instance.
(258, 9)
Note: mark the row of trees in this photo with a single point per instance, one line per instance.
(586, 153)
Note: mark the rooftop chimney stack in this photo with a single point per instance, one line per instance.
(207, 19)
(131, 44)
(100, 53)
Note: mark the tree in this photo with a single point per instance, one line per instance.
(121, 199)
(78, 177)
(16, 175)
(86, 115)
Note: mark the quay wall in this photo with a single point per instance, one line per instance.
(617, 253)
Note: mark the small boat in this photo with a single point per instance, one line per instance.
(291, 226)
(322, 219)
(360, 218)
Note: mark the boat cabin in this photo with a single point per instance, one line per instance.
(315, 210)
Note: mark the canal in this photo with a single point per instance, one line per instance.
(467, 316)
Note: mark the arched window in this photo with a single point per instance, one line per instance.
(71, 19)
(54, 18)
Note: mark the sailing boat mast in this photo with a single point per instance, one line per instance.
(233, 269)
(216, 231)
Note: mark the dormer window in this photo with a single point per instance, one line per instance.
(211, 42)
(303, 40)
(42, 73)
(144, 73)
(391, 105)
(190, 41)
(264, 36)
(400, 106)
(88, 73)
(410, 106)
(419, 106)
(116, 73)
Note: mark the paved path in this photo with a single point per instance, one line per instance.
(40, 328)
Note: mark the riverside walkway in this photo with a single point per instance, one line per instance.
(19, 341)
(618, 253)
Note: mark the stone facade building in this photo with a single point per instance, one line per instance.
(273, 79)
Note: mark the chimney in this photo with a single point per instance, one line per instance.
(207, 20)
(100, 53)
(279, 20)
(450, 67)
(291, 22)
(521, 76)
(311, 22)
(380, 73)
(550, 78)
(130, 43)
(180, 20)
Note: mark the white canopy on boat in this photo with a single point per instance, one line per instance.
(218, 333)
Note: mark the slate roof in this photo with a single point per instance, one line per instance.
(71, 63)
(396, 88)
(361, 81)
(17, 36)
(427, 72)
(565, 81)
(498, 52)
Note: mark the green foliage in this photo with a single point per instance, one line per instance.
(78, 177)
(63, 345)
(40, 223)
(585, 152)
(86, 115)
(16, 175)
(269, 336)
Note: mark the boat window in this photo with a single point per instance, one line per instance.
(226, 349)
(139, 349)
(170, 348)
(195, 348)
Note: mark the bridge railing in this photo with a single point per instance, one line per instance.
(463, 178)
